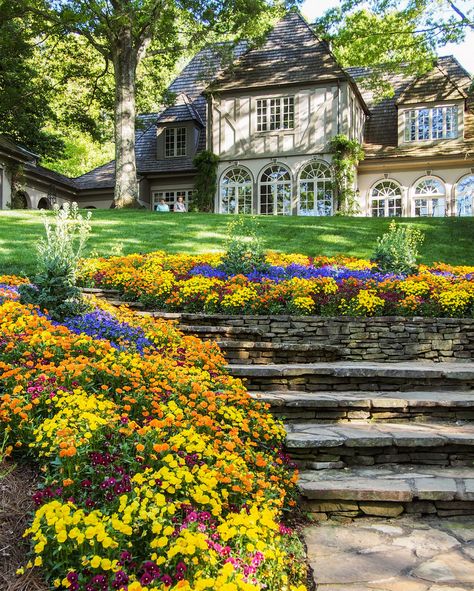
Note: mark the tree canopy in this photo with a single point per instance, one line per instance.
(389, 36)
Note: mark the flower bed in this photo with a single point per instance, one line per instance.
(160, 472)
(291, 284)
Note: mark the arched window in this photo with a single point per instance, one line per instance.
(236, 191)
(465, 196)
(386, 199)
(430, 198)
(315, 190)
(275, 191)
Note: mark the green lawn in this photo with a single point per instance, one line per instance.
(450, 240)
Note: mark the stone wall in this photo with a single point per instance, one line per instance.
(367, 339)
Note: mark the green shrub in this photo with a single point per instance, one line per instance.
(244, 247)
(54, 287)
(397, 250)
(205, 185)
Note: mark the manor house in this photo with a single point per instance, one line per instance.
(270, 118)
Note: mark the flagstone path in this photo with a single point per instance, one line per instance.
(404, 554)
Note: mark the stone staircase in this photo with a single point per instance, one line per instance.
(369, 438)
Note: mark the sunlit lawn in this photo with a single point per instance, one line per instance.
(449, 240)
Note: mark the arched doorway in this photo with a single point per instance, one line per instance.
(236, 191)
(43, 203)
(315, 190)
(20, 200)
(275, 191)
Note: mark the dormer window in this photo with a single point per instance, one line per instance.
(431, 123)
(276, 113)
(175, 142)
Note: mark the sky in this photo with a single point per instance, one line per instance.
(463, 52)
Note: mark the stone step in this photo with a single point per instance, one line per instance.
(99, 291)
(266, 352)
(327, 406)
(245, 333)
(338, 445)
(349, 376)
(387, 491)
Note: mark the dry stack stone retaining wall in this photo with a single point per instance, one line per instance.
(382, 338)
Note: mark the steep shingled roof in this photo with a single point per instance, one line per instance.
(435, 85)
(291, 54)
(191, 82)
(381, 129)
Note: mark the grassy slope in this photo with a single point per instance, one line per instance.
(449, 240)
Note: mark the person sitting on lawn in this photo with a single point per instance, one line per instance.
(162, 206)
(180, 206)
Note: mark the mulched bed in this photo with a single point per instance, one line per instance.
(17, 483)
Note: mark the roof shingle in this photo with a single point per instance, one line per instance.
(291, 54)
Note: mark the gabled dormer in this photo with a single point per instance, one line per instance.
(431, 109)
(179, 128)
(286, 96)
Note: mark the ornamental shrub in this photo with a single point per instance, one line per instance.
(397, 250)
(244, 247)
(54, 287)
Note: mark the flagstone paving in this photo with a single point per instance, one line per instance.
(404, 554)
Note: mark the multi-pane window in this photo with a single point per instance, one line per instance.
(431, 124)
(171, 197)
(276, 113)
(275, 191)
(175, 142)
(465, 196)
(315, 190)
(430, 198)
(386, 199)
(236, 191)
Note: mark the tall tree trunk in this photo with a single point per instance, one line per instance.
(125, 65)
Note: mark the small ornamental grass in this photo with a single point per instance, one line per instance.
(285, 284)
(159, 470)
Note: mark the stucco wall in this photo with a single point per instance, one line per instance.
(320, 113)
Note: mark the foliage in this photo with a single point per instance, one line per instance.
(397, 249)
(81, 154)
(126, 33)
(346, 155)
(159, 470)
(59, 253)
(244, 247)
(296, 284)
(25, 94)
(206, 180)
(389, 38)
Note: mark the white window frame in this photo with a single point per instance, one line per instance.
(428, 195)
(449, 126)
(466, 206)
(276, 114)
(238, 183)
(383, 199)
(176, 139)
(321, 182)
(273, 189)
(171, 197)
